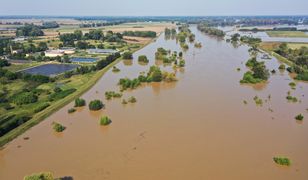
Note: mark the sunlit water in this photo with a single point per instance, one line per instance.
(196, 128)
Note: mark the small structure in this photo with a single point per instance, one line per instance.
(54, 53)
(101, 51)
(68, 50)
(20, 39)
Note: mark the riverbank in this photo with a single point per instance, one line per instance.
(39, 117)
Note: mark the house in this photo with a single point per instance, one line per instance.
(101, 51)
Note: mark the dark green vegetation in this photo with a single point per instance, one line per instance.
(58, 127)
(40, 176)
(111, 94)
(150, 34)
(282, 161)
(299, 58)
(204, 27)
(143, 59)
(299, 117)
(79, 102)
(105, 121)
(29, 30)
(257, 74)
(96, 105)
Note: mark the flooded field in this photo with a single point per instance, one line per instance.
(195, 128)
(50, 69)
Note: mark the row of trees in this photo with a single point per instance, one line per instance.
(150, 34)
(29, 30)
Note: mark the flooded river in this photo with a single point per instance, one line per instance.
(195, 128)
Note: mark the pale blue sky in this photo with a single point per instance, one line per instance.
(153, 7)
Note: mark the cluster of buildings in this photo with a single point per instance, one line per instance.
(59, 52)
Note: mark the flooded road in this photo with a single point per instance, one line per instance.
(196, 128)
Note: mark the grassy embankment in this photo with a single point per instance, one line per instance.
(289, 34)
(81, 82)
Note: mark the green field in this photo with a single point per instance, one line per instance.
(291, 34)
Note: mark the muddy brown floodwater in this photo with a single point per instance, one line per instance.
(196, 128)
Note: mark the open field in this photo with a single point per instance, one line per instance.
(297, 45)
(290, 34)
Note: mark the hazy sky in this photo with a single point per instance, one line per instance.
(153, 7)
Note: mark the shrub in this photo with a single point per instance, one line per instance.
(291, 98)
(104, 121)
(24, 98)
(292, 84)
(115, 69)
(40, 176)
(143, 59)
(155, 74)
(132, 99)
(96, 105)
(111, 94)
(282, 67)
(128, 83)
(258, 101)
(299, 117)
(182, 63)
(282, 161)
(127, 55)
(41, 107)
(124, 101)
(58, 127)
(71, 110)
(80, 102)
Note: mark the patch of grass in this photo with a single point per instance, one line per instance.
(282, 161)
(41, 107)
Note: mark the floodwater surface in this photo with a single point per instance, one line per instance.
(195, 128)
